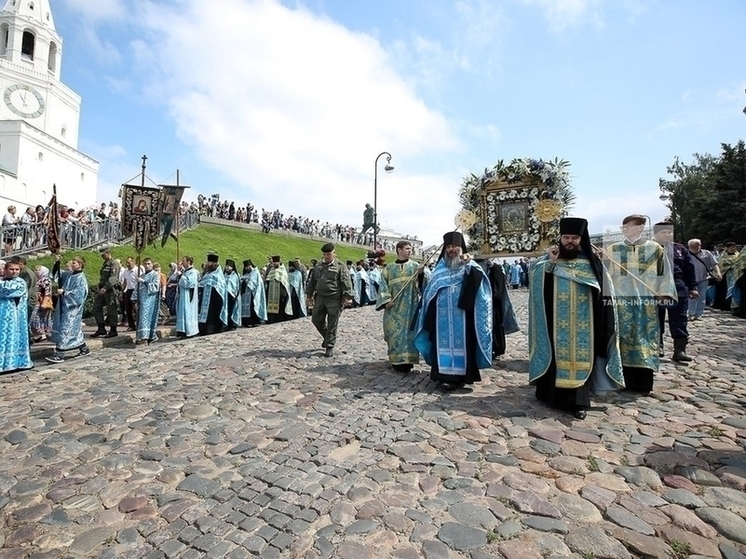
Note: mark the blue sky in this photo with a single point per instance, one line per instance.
(287, 104)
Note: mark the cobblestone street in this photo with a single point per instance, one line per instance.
(251, 443)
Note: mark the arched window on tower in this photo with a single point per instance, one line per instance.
(4, 35)
(63, 132)
(52, 63)
(27, 46)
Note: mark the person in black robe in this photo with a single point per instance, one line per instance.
(214, 323)
(503, 317)
(575, 400)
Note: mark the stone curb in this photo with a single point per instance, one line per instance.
(45, 349)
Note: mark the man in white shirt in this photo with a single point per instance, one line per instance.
(129, 284)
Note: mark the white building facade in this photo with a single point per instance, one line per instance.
(39, 115)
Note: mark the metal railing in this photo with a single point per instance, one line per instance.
(28, 238)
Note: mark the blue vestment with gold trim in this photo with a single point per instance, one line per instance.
(454, 328)
(570, 341)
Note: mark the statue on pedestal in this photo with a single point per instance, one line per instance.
(369, 220)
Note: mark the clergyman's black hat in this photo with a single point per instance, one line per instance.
(247, 263)
(212, 257)
(454, 238)
(231, 263)
(275, 258)
(573, 226)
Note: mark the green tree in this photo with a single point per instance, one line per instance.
(707, 199)
(725, 214)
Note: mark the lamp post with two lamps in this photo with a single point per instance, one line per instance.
(388, 168)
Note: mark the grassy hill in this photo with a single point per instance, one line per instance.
(228, 242)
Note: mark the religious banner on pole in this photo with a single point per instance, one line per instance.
(171, 199)
(141, 214)
(53, 224)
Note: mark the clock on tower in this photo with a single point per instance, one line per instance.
(24, 100)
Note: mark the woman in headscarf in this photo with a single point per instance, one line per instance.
(41, 316)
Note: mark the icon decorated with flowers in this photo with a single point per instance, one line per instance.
(519, 205)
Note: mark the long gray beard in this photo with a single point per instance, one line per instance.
(453, 262)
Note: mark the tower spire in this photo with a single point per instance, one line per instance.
(36, 11)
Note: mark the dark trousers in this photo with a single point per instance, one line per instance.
(325, 317)
(106, 301)
(677, 318)
(129, 310)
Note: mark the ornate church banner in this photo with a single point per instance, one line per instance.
(141, 210)
(518, 206)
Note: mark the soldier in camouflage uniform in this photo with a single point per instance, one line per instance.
(107, 295)
(330, 288)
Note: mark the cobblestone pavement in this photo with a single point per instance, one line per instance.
(251, 443)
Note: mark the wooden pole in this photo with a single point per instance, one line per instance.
(178, 214)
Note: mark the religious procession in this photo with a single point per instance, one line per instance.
(597, 313)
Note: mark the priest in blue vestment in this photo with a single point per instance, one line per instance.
(213, 300)
(454, 327)
(364, 292)
(147, 295)
(253, 299)
(67, 318)
(233, 292)
(573, 329)
(297, 290)
(187, 301)
(14, 333)
(374, 273)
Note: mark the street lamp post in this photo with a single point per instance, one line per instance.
(675, 215)
(388, 168)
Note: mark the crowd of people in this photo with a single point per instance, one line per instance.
(77, 228)
(275, 219)
(597, 315)
(87, 226)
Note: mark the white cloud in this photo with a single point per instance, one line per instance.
(294, 108)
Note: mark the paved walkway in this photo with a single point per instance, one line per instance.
(251, 443)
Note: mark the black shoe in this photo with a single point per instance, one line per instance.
(323, 345)
(580, 414)
(112, 334)
(449, 387)
(98, 333)
(329, 352)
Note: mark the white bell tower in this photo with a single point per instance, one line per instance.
(39, 115)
